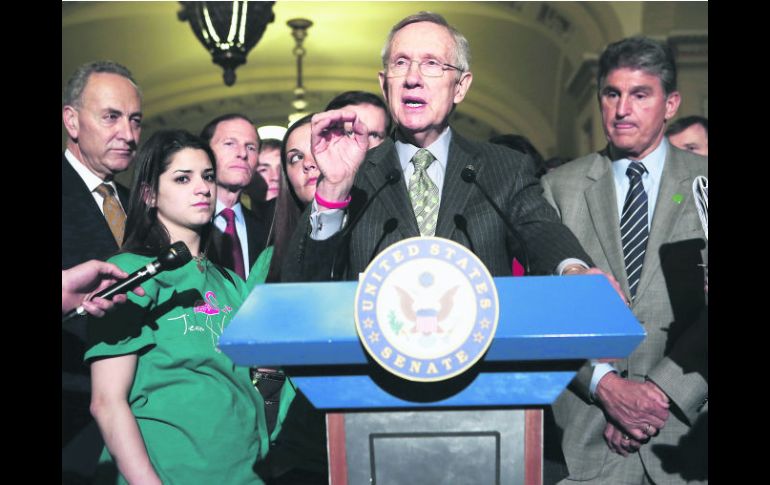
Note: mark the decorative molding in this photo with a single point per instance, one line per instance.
(690, 48)
(554, 21)
(583, 80)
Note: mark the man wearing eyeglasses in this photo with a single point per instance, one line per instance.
(426, 73)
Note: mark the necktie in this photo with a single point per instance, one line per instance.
(633, 226)
(237, 253)
(423, 193)
(113, 212)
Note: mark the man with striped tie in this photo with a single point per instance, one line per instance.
(631, 207)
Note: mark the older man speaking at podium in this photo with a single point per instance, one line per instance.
(426, 73)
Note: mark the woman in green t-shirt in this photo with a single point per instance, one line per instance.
(172, 408)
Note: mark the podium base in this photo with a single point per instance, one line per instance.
(473, 447)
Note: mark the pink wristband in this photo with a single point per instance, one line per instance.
(332, 205)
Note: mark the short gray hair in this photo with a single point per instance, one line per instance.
(73, 92)
(462, 48)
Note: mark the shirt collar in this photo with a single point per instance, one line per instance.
(91, 180)
(237, 209)
(653, 163)
(439, 149)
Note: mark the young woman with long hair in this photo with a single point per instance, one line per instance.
(172, 408)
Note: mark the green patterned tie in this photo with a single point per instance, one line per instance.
(423, 193)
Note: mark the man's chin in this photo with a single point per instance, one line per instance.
(119, 164)
(235, 184)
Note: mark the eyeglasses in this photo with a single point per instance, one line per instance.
(429, 67)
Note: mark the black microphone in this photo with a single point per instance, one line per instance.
(389, 226)
(462, 224)
(393, 176)
(468, 174)
(172, 257)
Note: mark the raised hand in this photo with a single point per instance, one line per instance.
(339, 141)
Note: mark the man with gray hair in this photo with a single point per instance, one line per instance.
(102, 113)
(426, 73)
(640, 419)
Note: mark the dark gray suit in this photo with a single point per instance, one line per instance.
(669, 303)
(504, 173)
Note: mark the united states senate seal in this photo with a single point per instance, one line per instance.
(426, 309)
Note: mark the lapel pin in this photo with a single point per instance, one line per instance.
(677, 198)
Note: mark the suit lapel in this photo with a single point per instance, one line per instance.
(253, 234)
(394, 198)
(602, 206)
(455, 193)
(674, 180)
(83, 203)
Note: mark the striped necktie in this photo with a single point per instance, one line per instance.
(633, 226)
(113, 212)
(423, 193)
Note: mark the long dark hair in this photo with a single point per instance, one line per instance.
(288, 209)
(145, 234)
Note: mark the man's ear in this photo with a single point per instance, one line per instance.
(462, 86)
(673, 100)
(71, 122)
(383, 85)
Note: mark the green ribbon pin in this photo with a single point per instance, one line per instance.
(677, 198)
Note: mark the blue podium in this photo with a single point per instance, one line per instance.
(548, 326)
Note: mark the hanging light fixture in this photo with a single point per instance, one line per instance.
(299, 32)
(228, 30)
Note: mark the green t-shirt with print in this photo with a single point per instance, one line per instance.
(200, 417)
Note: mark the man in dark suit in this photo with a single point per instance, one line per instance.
(642, 419)
(102, 115)
(240, 235)
(425, 74)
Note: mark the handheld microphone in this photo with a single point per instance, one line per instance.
(391, 178)
(700, 193)
(172, 257)
(468, 174)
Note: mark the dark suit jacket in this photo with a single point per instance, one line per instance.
(84, 231)
(85, 235)
(505, 174)
(220, 250)
(670, 304)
